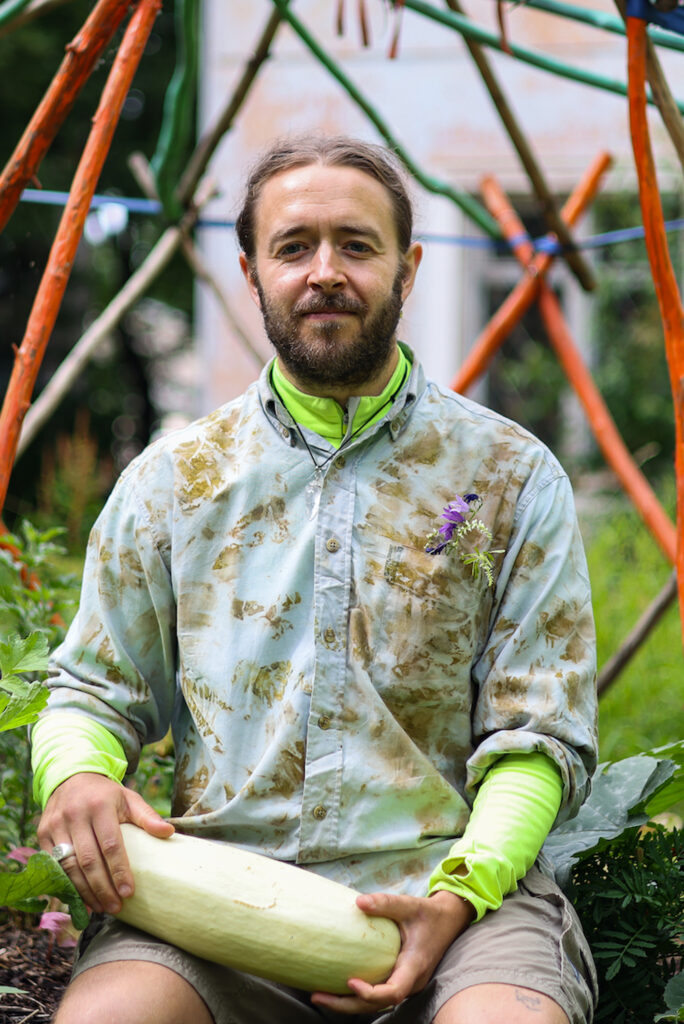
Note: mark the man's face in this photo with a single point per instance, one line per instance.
(328, 275)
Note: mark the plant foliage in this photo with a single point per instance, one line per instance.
(629, 895)
(29, 889)
(627, 883)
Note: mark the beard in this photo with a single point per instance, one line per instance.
(316, 354)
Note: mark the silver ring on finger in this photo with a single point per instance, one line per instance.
(61, 851)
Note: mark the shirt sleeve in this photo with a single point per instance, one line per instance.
(117, 662)
(535, 679)
(513, 812)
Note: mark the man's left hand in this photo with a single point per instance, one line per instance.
(428, 926)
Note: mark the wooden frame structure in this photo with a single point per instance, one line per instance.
(19, 420)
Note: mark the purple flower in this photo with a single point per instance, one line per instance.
(453, 515)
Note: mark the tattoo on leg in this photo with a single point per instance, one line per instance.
(527, 999)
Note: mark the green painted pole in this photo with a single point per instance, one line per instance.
(468, 28)
(605, 21)
(10, 9)
(467, 203)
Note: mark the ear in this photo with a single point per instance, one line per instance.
(412, 258)
(249, 278)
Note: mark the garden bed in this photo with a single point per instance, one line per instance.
(30, 960)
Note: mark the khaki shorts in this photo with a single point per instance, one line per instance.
(534, 941)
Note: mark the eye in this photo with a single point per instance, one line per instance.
(290, 249)
(358, 247)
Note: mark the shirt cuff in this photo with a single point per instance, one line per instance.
(513, 812)
(64, 744)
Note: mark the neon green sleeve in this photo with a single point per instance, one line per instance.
(64, 743)
(513, 812)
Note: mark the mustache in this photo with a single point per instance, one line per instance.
(329, 304)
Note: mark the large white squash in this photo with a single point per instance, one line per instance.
(254, 913)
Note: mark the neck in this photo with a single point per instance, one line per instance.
(374, 385)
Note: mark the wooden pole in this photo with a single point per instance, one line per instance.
(667, 292)
(82, 54)
(662, 94)
(526, 291)
(614, 449)
(209, 141)
(60, 261)
(571, 254)
(636, 636)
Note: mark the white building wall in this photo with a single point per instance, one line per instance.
(438, 108)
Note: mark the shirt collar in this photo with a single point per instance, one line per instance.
(397, 416)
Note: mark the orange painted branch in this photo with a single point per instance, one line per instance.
(614, 449)
(525, 292)
(51, 290)
(667, 292)
(82, 53)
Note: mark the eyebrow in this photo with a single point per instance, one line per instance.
(344, 229)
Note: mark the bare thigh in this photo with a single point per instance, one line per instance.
(131, 992)
(500, 1004)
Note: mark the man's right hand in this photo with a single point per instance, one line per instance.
(86, 811)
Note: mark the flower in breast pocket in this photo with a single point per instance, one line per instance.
(462, 532)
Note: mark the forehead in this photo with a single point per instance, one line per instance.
(319, 196)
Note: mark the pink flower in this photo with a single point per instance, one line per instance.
(21, 853)
(59, 923)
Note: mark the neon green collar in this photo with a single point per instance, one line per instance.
(325, 416)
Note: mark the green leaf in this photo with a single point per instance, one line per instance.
(621, 799)
(42, 876)
(19, 654)
(671, 791)
(8, 990)
(674, 992)
(16, 711)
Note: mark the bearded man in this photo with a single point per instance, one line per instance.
(361, 603)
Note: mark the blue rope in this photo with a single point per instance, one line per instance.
(543, 244)
(672, 20)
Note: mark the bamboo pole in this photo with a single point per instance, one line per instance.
(667, 292)
(82, 54)
(525, 292)
(615, 451)
(60, 261)
(573, 257)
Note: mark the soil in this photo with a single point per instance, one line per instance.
(30, 960)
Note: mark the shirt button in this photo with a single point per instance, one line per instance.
(332, 545)
(319, 812)
(341, 462)
(324, 722)
(329, 635)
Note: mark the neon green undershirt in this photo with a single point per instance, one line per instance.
(325, 416)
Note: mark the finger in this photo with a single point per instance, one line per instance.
(347, 1004)
(72, 868)
(138, 812)
(92, 861)
(384, 904)
(110, 842)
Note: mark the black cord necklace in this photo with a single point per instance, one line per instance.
(315, 485)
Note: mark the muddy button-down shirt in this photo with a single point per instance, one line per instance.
(335, 693)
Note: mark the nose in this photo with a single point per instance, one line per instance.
(326, 272)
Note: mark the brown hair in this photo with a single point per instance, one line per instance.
(330, 151)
